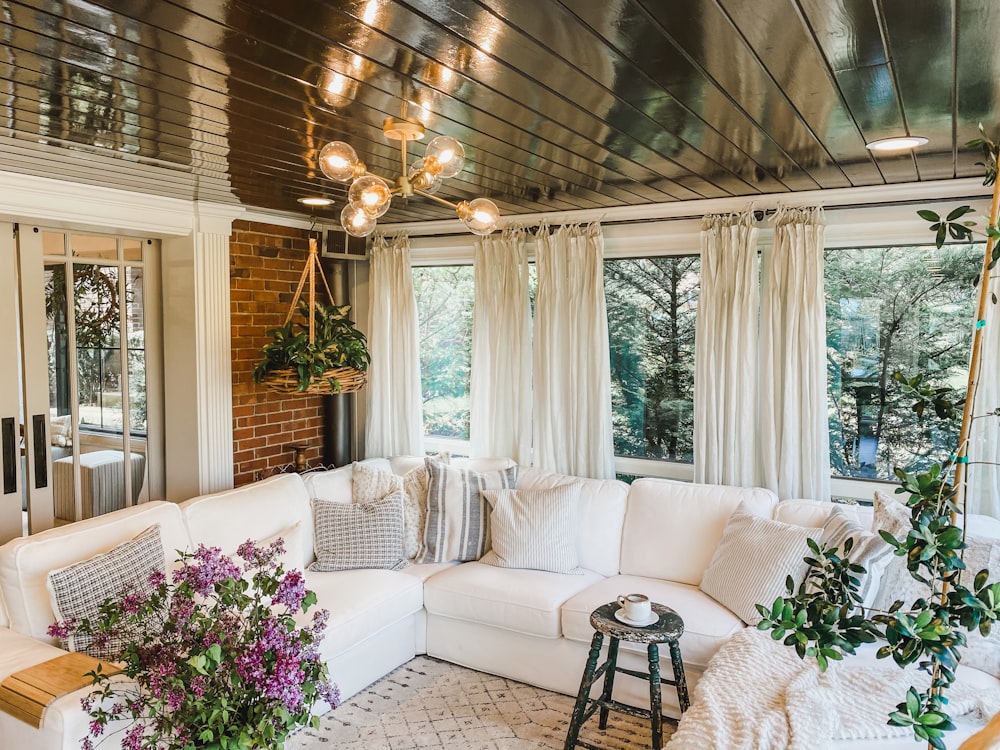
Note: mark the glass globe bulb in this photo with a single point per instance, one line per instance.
(356, 221)
(428, 183)
(448, 152)
(372, 193)
(337, 160)
(480, 215)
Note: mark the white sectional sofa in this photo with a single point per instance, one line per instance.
(655, 536)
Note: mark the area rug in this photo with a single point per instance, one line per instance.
(427, 703)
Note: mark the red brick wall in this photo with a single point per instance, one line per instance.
(265, 264)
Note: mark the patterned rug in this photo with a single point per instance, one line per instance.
(427, 703)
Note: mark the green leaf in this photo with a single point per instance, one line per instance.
(928, 215)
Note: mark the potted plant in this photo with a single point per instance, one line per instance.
(218, 662)
(326, 354)
(823, 619)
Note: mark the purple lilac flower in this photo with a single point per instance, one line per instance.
(62, 629)
(210, 567)
(157, 578)
(132, 603)
(133, 738)
(291, 591)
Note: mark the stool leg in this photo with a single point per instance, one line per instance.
(678, 664)
(609, 680)
(582, 698)
(655, 710)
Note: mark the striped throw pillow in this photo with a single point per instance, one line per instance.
(869, 551)
(753, 558)
(456, 524)
(535, 529)
(350, 536)
(78, 590)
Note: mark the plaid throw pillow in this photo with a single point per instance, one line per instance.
(359, 535)
(456, 525)
(77, 591)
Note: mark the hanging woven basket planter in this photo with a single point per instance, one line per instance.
(324, 355)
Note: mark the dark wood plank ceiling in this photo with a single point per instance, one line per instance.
(561, 105)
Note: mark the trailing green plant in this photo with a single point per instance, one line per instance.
(823, 618)
(336, 342)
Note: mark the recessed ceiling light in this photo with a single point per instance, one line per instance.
(899, 143)
(315, 201)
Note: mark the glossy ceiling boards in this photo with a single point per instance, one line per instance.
(560, 105)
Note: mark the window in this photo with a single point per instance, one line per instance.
(905, 309)
(652, 303)
(444, 310)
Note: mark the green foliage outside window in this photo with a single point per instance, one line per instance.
(652, 304)
(894, 310)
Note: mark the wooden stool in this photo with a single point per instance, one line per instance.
(666, 629)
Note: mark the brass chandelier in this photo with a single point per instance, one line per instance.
(370, 196)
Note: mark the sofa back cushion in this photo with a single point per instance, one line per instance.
(813, 513)
(403, 464)
(602, 511)
(25, 562)
(672, 528)
(254, 511)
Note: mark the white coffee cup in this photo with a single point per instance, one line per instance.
(635, 607)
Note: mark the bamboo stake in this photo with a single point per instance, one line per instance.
(962, 453)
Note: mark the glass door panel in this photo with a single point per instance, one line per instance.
(13, 498)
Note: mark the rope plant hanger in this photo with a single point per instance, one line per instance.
(325, 355)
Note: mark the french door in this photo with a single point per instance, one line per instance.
(80, 418)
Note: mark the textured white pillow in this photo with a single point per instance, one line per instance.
(456, 526)
(753, 558)
(535, 529)
(869, 551)
(369, 483)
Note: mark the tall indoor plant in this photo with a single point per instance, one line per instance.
(823, 619)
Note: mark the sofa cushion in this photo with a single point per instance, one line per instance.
(602, 511)
(25, 562)
(359, 535)
(263, 509)
(370, 483)
(456, 526)
(814, 513)
(535, 529)
(672, 528)
(79, 590)
(525, 601)
(707, 624)
(360, 603)
(753, 560)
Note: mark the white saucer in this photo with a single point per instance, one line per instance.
(620, 616)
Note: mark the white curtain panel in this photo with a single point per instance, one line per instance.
(572, 369)
(394, 425)
(983, 494)
(725, 379)
(500, 423)
(794, 439)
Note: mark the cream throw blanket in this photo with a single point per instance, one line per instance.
(756, 694)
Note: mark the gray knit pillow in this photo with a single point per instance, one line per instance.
(78, 590)
(359, 535)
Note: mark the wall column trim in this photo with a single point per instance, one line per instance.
(197, 351)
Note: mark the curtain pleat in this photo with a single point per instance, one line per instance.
(983, 495)
(725, 387)
(394, 425)
(500, 421)
(794, 439)
(572, 370)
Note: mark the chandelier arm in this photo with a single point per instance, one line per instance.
(435, 198)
